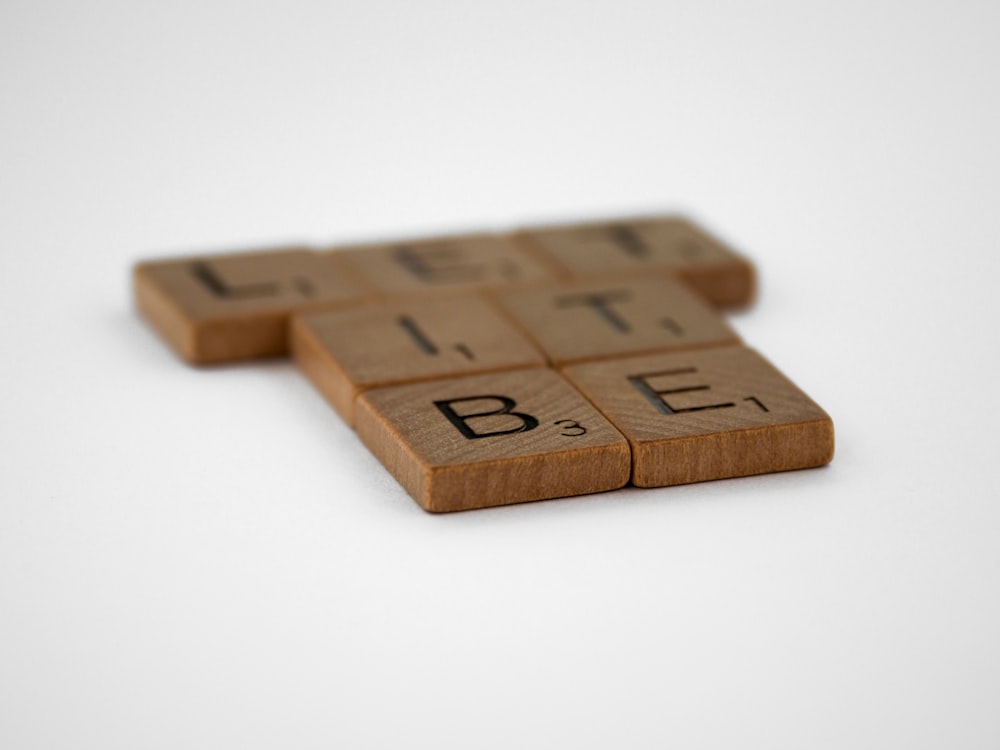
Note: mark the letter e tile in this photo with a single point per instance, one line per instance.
(709, 414)
(447, 264)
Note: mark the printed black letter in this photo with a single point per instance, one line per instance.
(655, 397)
(460, 421)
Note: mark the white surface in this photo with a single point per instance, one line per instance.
(211, 559)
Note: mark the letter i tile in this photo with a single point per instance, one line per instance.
(493, 439)
(400, 341)
(709, 414)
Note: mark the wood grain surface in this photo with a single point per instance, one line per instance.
(493, 439)
(440, 352)
(225, 308)
(573, 321)
(709, 414)
(669, 243)
(445, 264)
(344, 352)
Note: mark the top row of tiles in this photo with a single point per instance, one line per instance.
(231, 307)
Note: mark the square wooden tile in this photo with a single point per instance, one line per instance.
(493, 439)
(225, 308)
(597, 319)
(708, 414)
(347, 351)
(669, 243)
(446, 264)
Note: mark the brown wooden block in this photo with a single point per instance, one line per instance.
(596, 319)
(445, 264)
(493, 439)
(225, 308)
(347, 351)
(709, 414)
(670, 243)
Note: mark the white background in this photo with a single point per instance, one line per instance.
(210, 558)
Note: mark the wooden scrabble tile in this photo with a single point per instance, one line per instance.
(225, 308)
(447, 264)
(708, 414)
(669, 243)
(598, 319)
(493, 439)
(347, 351)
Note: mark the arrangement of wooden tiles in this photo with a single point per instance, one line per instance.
(486, 369)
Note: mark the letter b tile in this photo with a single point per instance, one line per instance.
(493, 439)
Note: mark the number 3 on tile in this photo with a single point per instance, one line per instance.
(571, 428)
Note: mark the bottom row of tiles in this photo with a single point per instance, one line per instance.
(531, 434)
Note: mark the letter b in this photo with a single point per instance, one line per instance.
(460, 421)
